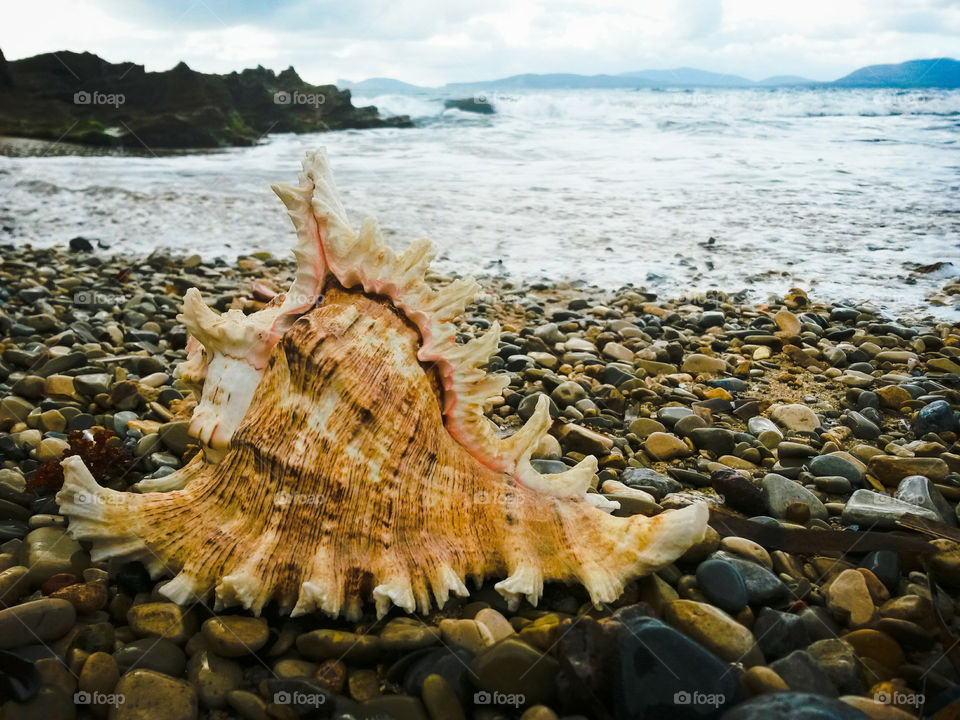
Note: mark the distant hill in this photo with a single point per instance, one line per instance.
(380, 85)
(932, 73)
(690, 77)
(935, 72)
(552, 81)
(82, 98)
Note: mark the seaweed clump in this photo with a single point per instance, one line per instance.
(107, 461)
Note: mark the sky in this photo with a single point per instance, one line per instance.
(430, 42)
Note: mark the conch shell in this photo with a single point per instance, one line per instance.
(347, 456)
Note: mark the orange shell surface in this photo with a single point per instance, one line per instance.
(332, 477)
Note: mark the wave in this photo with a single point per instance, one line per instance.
(686, 105)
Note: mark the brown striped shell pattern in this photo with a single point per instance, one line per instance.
(346, 455)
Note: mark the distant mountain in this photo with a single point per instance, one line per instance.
(380, 85)
(935, 72)
(552, 81)
(689, 77)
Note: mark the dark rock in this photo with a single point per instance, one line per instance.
(661, 673)
(762, 585)
(937, 417)
(80, 244)
(175, 108)
(779, 633)
(514, 668)
(478, 104)
(825, 465)
(793, 706)
(133, 578)
(861, 427)
(717, 440)
(657, 484)
(802, 674)
(885, 564)
(739, 492)
(19, 678)
(722, 585)
(452, 664)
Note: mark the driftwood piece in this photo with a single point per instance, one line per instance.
(811, 542)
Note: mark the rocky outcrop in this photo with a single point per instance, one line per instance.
(80, 97)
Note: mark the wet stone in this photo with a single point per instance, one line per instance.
(779, 633)
(763, 586)
(35, 621)
(780, 492)
(234, 635)
(514, 668)
(802, 674)
(157, 654)
(826, 465)
(722, 585)
(791, 705)
(657, 484)
(919, 490)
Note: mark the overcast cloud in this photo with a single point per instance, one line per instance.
(436, 41)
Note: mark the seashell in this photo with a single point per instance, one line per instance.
(347, 457)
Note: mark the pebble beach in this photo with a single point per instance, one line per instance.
(824, 437)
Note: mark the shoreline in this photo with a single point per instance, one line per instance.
(802, 415)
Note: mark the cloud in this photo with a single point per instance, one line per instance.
(436, 41)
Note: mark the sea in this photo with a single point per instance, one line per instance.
(851, 195)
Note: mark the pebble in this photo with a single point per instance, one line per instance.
(779, 492)
(849, 599)
(162, 619)
(144, 691)
(919, 490)
(747, 549)
(802, 674)
(664, 446)
(37, 620)
(440, 699)
(722, 585)
(793, 706)
(514, 668)
(715, 630)
(654, 662)
(404, 634)
(890, 470)
(829, 465)
(213, 677)
(798, 418)
(48, 551)
(339, 645)
(234, 635)
(697, 363)
(157, 654)
(779, 633)
(873, 510)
